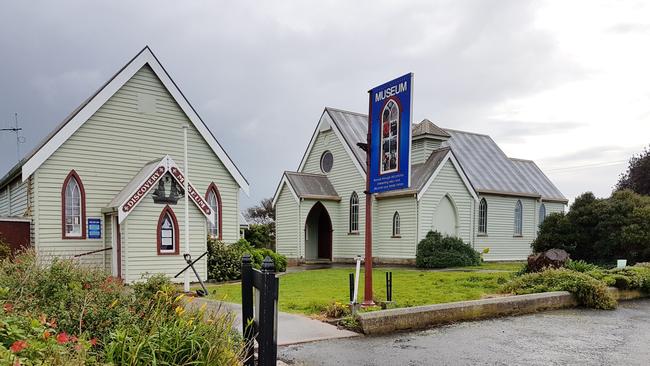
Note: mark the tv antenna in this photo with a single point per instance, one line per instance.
(16, 130)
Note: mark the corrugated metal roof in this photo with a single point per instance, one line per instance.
(427, 127)
(420, 173)
(312, 186)
(484, 163)
(538, 179)
(354, 128)
(486, 166)
(242, 220)
(133, 184)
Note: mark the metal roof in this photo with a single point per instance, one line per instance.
(312, 186)
(242, 221)
(538, 179)
(487, 167)
(427, 127)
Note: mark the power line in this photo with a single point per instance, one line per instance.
(587, 166)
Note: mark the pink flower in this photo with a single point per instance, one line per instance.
(93, 342)
(18, 346)
(62, 338)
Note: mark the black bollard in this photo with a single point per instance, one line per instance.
(351, 287)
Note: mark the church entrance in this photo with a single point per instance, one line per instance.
(318, 233)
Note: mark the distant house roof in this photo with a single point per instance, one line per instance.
(488, 169)
(315, 186)
(243, 223)
(427, 127)
(539, 180)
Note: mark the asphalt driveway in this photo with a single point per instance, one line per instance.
(563, 337)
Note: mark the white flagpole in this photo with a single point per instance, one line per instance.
(186, 284)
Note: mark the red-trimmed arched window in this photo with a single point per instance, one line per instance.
(73, 207)
(167, 232)
(213, 198)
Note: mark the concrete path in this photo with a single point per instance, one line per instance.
(292, 328)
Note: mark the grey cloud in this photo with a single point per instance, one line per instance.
(517, 131)
(260, 73)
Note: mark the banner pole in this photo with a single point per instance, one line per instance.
(367, 294)
(186, 279)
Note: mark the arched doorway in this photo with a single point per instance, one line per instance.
(318, 233)
(446, 219)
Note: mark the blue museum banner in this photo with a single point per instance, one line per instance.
(390, 135)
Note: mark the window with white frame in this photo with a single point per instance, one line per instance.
(482, 216)
(73, 210)
(396, 224)
(519, 213)
(354, 213)
(167, 232)
(213, 202)
(542, 213)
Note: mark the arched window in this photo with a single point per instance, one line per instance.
(519, 213)
(482, 216)
(213, 198)
(542, 213)
(167, 232)
(73, 207)
(390, 125)
(396, 224)
(354, 213)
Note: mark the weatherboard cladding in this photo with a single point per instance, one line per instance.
(312, 185)
(486, 166)
(108, 151)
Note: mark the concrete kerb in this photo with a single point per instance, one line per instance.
(419, 317)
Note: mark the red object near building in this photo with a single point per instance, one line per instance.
(15, 231)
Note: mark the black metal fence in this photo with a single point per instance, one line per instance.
(260, 311)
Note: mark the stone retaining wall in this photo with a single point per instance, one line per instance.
(419, 317)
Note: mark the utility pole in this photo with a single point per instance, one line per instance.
(19, 139)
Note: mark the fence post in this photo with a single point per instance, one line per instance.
(248, 326)
(267, 340)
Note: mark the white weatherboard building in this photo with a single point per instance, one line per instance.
(107, 184)
(462, 184)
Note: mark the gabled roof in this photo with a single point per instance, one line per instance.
(82, 113)
(488, 169)
(539, 180)
(306, 185)
(135, 182)
(428, 128)
(312, 186)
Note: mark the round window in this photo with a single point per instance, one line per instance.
(326, 162)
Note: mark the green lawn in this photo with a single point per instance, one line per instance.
(308, 292)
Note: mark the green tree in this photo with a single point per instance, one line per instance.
(637, 176)
(260, 236)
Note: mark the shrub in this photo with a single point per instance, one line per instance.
(66, 314)
(588, 291)
(83, 300)
(580, 266)
(336, 310)
(261, 235)
(178, 337)
(600, 230)
(5, 250)
(224, 261)
(436, 251)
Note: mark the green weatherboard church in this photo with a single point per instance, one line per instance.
(462, 184)
(107, 183)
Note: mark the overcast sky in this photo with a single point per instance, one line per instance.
(565, 83)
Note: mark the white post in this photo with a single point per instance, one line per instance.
(356, 280)
(186, 284)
